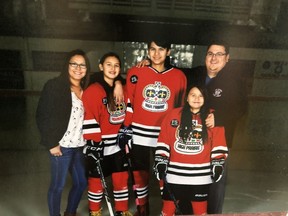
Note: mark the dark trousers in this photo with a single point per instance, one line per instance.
(217, 194)
(215, 197)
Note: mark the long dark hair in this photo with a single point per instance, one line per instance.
(108, 89)
(186, 126)
(65, 72)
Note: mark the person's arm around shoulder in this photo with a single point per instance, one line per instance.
(143, 63)
(210, 120)
(118, 92)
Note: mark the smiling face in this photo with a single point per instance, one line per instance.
(77, 68)
(216, 59)
(111, 69)
(195, 100)
(157, 56)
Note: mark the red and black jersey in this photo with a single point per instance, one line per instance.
(190, 160)
(100, 123)
(151, 94)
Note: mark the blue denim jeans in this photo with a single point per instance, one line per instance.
(72, 160)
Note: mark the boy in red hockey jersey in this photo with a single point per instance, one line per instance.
(102, 120)
(152, 92)
(187, 153)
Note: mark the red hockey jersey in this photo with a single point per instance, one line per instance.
(190, 161)
(100, 123)
(151, 94)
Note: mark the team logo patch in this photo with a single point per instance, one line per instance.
(174, 123)
(117, 116)
(155, 97)
(104, 101)
(217, 93)
(193, 144)
(133, 79)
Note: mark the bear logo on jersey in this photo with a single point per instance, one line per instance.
(155, 97)
(117, 116)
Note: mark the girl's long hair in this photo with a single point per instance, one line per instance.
(186, 126)
(65, 72)
(108, 89)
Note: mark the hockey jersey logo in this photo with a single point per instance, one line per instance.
(133, 79)
(117, 116)
(217, 93)
(155, 97)
(174, 123)
(193, 144)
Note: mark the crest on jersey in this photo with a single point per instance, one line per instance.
(155, 97)
(117, 116)
(193, 144)
(217, 93)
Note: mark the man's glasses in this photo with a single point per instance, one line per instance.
(218, 54)
(75, 65)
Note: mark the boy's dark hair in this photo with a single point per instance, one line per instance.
(160, 42)
(220, 42)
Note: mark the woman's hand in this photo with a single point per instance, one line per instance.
(56, 151)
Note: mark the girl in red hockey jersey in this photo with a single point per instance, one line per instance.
(189, 156)
(102, 120)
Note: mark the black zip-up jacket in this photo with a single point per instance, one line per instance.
(226, 95)
(54, 110)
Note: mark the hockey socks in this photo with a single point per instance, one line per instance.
(120, 190)
(95, 193)
(199, 208)
(141, 180)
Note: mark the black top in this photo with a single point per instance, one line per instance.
(53, 111)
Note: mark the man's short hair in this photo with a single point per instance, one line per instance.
(220, 42)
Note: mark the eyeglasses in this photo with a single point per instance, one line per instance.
(75, 65)
(218, 54)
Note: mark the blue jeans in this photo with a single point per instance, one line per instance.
(72, 160)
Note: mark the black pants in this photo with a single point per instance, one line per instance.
(215, 197)
(217, 194)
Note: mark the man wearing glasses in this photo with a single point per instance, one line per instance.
(227, 97)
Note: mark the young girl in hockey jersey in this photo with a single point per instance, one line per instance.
(102, 120)
(189, 156)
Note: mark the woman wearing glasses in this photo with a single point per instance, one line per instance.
(59, 117)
